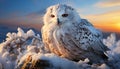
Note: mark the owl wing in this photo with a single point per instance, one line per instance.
(88, 38)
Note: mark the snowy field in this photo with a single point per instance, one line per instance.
(22, 49)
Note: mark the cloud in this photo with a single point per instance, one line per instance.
(108, 3)
(109, 21)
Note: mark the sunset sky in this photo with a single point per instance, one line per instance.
(104, 14)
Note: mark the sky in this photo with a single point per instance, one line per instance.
(103, 14)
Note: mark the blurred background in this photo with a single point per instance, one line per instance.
(27, 14)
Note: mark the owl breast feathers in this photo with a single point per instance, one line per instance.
(69, 36)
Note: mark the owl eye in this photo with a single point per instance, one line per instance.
(52, 15)
(64, 15)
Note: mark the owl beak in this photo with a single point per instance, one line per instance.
(58, 21)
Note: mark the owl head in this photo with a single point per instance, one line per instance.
(61, 14)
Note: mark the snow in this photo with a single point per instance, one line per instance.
(30, 33)
(110, 41)
(114, 54)
(19, 46)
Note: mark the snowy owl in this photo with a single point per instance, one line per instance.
(67, 35)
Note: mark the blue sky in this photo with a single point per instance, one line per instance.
(11, 8)
(28, 12)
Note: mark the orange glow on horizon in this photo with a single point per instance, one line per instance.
(108, 22)
(108, 27)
